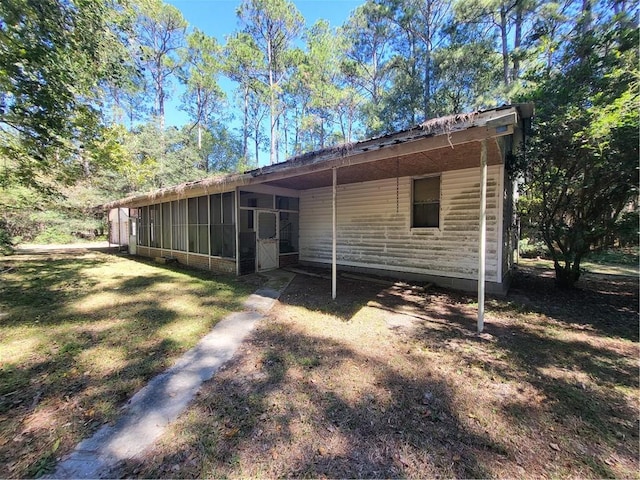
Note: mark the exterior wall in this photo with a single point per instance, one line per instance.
(203, 262)
(119, 226)
(287, 260)
(374, 229)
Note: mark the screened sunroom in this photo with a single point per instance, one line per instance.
(259, 229)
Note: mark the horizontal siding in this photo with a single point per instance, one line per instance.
(374, 226)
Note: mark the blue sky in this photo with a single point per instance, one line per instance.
(217, 18)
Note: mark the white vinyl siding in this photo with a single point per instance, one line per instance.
(374, 226)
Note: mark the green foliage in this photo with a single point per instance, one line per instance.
(6, 242)
(581, 167)
(273, 25)
(159, 33)
(617, 256)
(530, 248)
(52, 59)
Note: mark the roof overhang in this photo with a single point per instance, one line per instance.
(417, 145)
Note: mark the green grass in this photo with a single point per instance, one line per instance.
(80, 334)
(590, 266)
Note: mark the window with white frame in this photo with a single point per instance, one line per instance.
(426, 203)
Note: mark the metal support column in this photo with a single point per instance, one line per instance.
(334, 252)
(483, 233)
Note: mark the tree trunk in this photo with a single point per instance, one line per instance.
(517, 41)
(567, 275)
(245, 124)
(427, 66)
(273, 151)
(505, 45)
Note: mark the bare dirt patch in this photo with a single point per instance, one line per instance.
(394, 382)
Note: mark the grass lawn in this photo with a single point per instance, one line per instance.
(80, 333)
(587, 266)
(394, 382)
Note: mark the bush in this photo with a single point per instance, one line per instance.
(530, 248)
(6, 245)
(617, 256)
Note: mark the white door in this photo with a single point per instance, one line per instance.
(267, 241)
(133, 226)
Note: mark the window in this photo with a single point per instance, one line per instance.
(289, 227)
(154, 225)
(143, 237)
(179, 220)
(426, 202)
(287, 203)
(198, 225)
(223, 231)
(256, 200)
(166, 225)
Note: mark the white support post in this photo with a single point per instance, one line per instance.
(119, 228)
(237, 228)
(483, 233)
(334, 252)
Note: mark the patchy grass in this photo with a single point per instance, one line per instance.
(624, 269)
(80, 333)
(394, 382)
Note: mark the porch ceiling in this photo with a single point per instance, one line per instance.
(422, 163)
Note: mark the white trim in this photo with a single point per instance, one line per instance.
(209, 228)
(334, 242)
(419, 230)
(237, 228)
(482, 241)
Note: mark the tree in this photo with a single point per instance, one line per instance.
(368, 36)
(201, 66)
(53, 56)
(242, 63)
(223, 149)
(581, 167)
(273, 25)
(466, 72)
(507, 18)
(160, 30)
(417, 27)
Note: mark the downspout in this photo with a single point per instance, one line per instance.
(483, 233)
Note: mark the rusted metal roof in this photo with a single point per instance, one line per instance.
(301, 164)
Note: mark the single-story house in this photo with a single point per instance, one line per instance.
(434, 202)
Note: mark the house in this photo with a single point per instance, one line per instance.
(406, 205)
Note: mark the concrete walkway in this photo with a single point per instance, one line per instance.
(155, 406)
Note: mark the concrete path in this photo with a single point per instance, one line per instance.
(155, 406)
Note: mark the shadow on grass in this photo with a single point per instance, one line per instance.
(291, 426)
(579, 376)
(606, 303)
(50, 399)
(272, 418)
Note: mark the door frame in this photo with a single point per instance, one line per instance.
(276, 238)
(133, 233)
